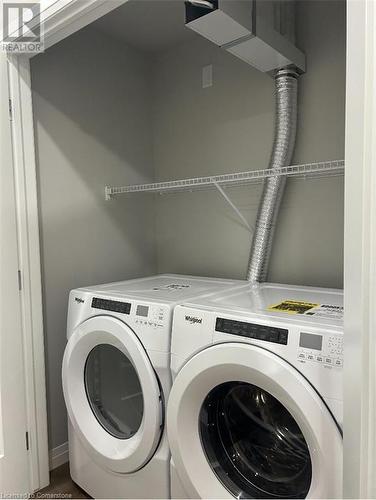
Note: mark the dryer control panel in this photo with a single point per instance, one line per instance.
(325, 349)
(146, 315)
(111, 305)
(152, 316)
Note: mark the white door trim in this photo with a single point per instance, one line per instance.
(14, 456)
(30, 272)
(360, 253)
(60, 19)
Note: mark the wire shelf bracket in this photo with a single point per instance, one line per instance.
(233, 206)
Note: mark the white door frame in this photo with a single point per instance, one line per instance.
(59, 19)
(360, 253)
(29, 274)
(62, 18)
(14, 453)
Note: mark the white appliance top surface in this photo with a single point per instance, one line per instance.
(166, 288)
(295, 304)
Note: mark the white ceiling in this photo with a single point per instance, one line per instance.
(148, 25)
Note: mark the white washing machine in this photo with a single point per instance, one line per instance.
(255, 410)
(116, 379)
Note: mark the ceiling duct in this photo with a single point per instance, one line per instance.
(260, 32)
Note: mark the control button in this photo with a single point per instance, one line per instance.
(301, 355)
(329, 361)
(338, 362)
(319, 359)
(311, 357)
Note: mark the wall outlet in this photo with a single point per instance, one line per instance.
(207, 76)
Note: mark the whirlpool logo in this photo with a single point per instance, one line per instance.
(193, 320)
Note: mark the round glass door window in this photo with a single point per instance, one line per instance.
(114, 391)
(253, 444)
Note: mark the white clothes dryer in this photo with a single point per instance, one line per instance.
(255, 410)
(116, 379)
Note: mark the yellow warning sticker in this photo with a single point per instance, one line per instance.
(292, 307)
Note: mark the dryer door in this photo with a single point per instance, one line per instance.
(244, 423)
(112, 394)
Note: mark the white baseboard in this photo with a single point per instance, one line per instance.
(59, 456)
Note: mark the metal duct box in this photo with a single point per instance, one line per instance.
(260, 32)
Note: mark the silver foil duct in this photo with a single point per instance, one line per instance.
(286, 89)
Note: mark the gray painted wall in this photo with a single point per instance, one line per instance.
(87, 136)
(229, 128)
(104, 114)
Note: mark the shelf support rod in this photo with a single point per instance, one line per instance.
(233, 206)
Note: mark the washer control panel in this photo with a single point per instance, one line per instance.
(317, 348)
(252, 330)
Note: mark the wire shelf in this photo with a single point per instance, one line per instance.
(307, 170)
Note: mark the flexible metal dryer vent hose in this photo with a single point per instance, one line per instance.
(286, 88)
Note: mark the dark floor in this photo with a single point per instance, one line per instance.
(61, 486)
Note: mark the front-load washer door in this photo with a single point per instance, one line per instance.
(244, 423)
(112, 394)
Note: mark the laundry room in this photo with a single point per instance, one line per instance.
(202, 182)
(122, 102)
